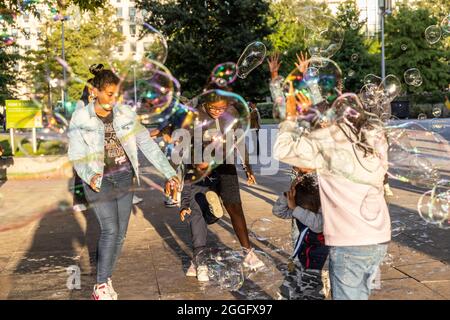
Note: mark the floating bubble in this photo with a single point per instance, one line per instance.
(354, 57)
(433, 205)
(224, 74)
(421, 116)
(413, 77)
(325, 38)
(354, 25)
(372, 79)
(436, 112)
(320, 84)
(251, 58)
(153, 97)
(351, 73)
(391, 87)
(155, 44)
(220, 125)
(433, 34)
(404, 47)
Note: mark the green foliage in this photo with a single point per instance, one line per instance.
(86, 42)
(265, 110)
(406, 27)
(354, 57)
(202, 34)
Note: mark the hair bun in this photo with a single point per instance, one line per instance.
(96, 68)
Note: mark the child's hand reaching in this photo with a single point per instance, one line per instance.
(274, 64)
(184, 212)
(290, 195)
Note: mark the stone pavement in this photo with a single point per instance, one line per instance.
(34, 257)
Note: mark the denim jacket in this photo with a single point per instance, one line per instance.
(87, 135)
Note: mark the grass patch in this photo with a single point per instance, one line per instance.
(44, 147)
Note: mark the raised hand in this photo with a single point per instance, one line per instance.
(302, 64)
(274, 64)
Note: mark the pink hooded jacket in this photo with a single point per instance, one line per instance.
(351, 184)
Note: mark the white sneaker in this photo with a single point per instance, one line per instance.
(387, 190)
(252, 261)
(102, 292)
(79, 207)
(191, 271)
(137, 200)
(214, 204)
(202, 274)
(170, 203)
(113, 293)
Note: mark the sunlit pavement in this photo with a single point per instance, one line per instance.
(34, 257)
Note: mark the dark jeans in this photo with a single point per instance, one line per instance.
(78, 190)
(194, 197)
(112, 206)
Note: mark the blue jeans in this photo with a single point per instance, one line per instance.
(112, 207)
(352, 270)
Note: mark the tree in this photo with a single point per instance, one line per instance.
(202, 34)
(407, 48)
(9, 58)
(288, 37)
(354, 57)
(86, 42)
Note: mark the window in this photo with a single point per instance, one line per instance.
(132, 14)
(120, 28)
(26, 33)
(120, 49)
(26, 17)
(14, 32)
(132, 30)
(133, 47)
(119, 12)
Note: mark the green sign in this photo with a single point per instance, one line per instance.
(22, 114)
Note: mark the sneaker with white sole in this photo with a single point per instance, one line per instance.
(102, 292)
(79, 207)
(113, 293)
(202, 273)
(191, 271)
(387, 190)
(214, 204)
(170, 203)
(137, 200)
(252, 261)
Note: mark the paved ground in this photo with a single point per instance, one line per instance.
(44, 239)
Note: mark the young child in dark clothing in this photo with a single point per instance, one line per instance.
(200, 206)
(302, 203)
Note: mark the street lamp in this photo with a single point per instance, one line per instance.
(385, 9)
(62, 18)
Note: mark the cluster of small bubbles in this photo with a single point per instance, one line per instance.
(377, 93)
(354, 57)
(433, 34)
(404, 47)
(224, 74)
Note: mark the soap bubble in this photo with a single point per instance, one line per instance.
(433, 34)
(262, 229)
(436, 112)
(445, 24)
(421, 116)
(354, 57)
(325, 37)
(351, 73)
(404, 47)
(155, 44)
(251, 58)
(279, 103)
(354, 25)
(433, 205)
(413, 77)
(224, 74)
